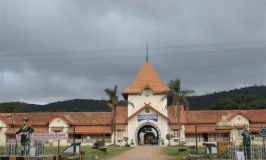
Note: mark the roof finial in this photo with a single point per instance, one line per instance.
(147, 53)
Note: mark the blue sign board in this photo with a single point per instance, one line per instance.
(148, 117)
(262, 131)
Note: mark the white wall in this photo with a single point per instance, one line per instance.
(157, 101)
(175, 141)
(58, 122)
(2, 133)
(162, 124)
(238, 120)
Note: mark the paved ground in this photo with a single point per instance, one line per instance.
(142, 153)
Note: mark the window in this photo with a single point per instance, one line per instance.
(119, 134)
(176, 134)
(239, 132)
(147, 92)
(57, 129)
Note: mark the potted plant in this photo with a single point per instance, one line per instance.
(169, 137)
(162, 141)
(132, 142)
(126, 140)
(182, 148)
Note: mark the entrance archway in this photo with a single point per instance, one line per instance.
(148, 134)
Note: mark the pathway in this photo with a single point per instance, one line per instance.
(142, 153)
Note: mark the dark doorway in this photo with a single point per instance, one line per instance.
(205, 137)
(148, 135)
(149, 138)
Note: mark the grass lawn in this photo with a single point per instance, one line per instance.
(112, 150)
(173, 154)
(89, 152)
(1, 150)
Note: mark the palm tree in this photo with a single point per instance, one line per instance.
(113, 103)
(177, 96)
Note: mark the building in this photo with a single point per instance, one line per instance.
(146, 120)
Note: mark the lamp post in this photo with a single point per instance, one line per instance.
(74, 140)
(196, 131)
(13, 126)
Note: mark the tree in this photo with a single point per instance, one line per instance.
(113, 103)
(239, 101)
(177, 96)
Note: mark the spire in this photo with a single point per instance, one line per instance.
(147, 53)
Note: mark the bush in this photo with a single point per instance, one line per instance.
(99, 144)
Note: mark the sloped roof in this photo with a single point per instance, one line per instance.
(121, 117)
(213, 116)
(71, 118)
(146, 78)
(173, 114)
(88, 118)
(209, 119)
(205, 129)
(10, 131)
(91, 130)
(34, 118)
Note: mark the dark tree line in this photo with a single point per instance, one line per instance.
(245, 98)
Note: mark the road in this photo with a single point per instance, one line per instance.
(142, 153)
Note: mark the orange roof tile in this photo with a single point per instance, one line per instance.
(205, 129)
(214, 116)
(146, 78)
(10, 131)
(34, 118)
(71, 118)
(173, 113)
(91, 130)
(87, 118)
(256, 127)
(121, 115)
(174, 127)
(120, 127)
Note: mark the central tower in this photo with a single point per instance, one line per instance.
(147, 93)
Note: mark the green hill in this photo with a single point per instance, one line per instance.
(255, 98)
(75, 105)
(205, 101)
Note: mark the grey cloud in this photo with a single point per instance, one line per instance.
(59, 26)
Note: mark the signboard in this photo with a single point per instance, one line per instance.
(262, 131)
(148, 117)
(46, 136)
(225, 122)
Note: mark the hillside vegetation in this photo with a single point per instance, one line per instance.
(244, 98)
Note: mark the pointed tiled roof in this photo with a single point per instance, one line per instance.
(146, 78)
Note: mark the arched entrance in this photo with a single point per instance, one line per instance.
(148, 134)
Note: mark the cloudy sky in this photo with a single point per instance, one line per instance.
(64, 49)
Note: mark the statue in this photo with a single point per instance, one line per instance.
(246, 142)
(25, 131)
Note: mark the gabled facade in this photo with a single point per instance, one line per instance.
(148, 113)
